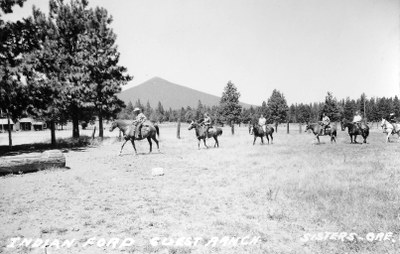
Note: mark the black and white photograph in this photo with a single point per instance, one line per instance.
(199, 126)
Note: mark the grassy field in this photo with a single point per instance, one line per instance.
(282, 193)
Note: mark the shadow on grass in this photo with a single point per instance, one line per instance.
(66, 145)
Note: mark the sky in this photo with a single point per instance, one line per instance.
(303, 48)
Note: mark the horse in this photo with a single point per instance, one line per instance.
(354, 130)
(317, 130)
(390, 129)
(148, 131)
(202, 135)
(257, 131)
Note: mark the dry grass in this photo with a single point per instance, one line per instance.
(278, 192)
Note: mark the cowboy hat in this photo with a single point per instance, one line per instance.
(136, 109)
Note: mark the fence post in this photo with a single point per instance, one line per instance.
(94, 132)
(178, 129)
(287, 127)
(233, 128)
(300, 131)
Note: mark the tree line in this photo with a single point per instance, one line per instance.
(275, 110)
(60, 66)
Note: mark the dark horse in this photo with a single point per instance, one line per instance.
(148, 131)
(355, 130)
(317, 130)
(257, 131)
(202, 135)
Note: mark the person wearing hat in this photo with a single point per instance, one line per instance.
(392, 118)
(139, 120)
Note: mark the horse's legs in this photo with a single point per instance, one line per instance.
(262, 140)
(267, 138)
(388, 137)
(255, 137)
(204, 140)
(155, 140)
(355, 139)
(120, 152)
(216, 142)
(272, 139)
(151, 144)
(133, 144)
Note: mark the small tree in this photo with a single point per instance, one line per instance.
(230, 108)
(331, 108)
(349, 108)
(278, 107)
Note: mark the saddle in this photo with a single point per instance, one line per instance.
(144, 129)
(325, 128)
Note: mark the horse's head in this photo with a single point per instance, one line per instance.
(192, 125)
(308, 127)
(251, 129)
(383, 123)
(113, 126)
(343, 124)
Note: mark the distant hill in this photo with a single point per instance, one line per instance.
(169, 94)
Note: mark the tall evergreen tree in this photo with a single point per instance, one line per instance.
(15, 41)
(349, 109)
(331, 108)
(230, 108)
(278, 107)
(102, 57)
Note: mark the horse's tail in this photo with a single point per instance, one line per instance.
(157, 129)
(219, 131)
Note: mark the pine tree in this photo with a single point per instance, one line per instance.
(278, 107)
(200, 110)
(331, 108)
(102, 57)
(349, 109)
(396, 106)
(129, 109)
(230, 108)
(303, 113)
(15, 41)
(148, 110)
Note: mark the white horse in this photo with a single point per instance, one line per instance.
(390, 129)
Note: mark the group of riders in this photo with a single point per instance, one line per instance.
(141, 118)
(262, 121)
(357, 120)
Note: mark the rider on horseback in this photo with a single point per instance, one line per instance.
(325, 122)
(262, 122)
(139, 120)
(206, 122)
(392, 119)
(357, 119)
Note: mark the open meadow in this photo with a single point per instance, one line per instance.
(281, 195)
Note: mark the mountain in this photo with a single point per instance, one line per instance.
(169, 94)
